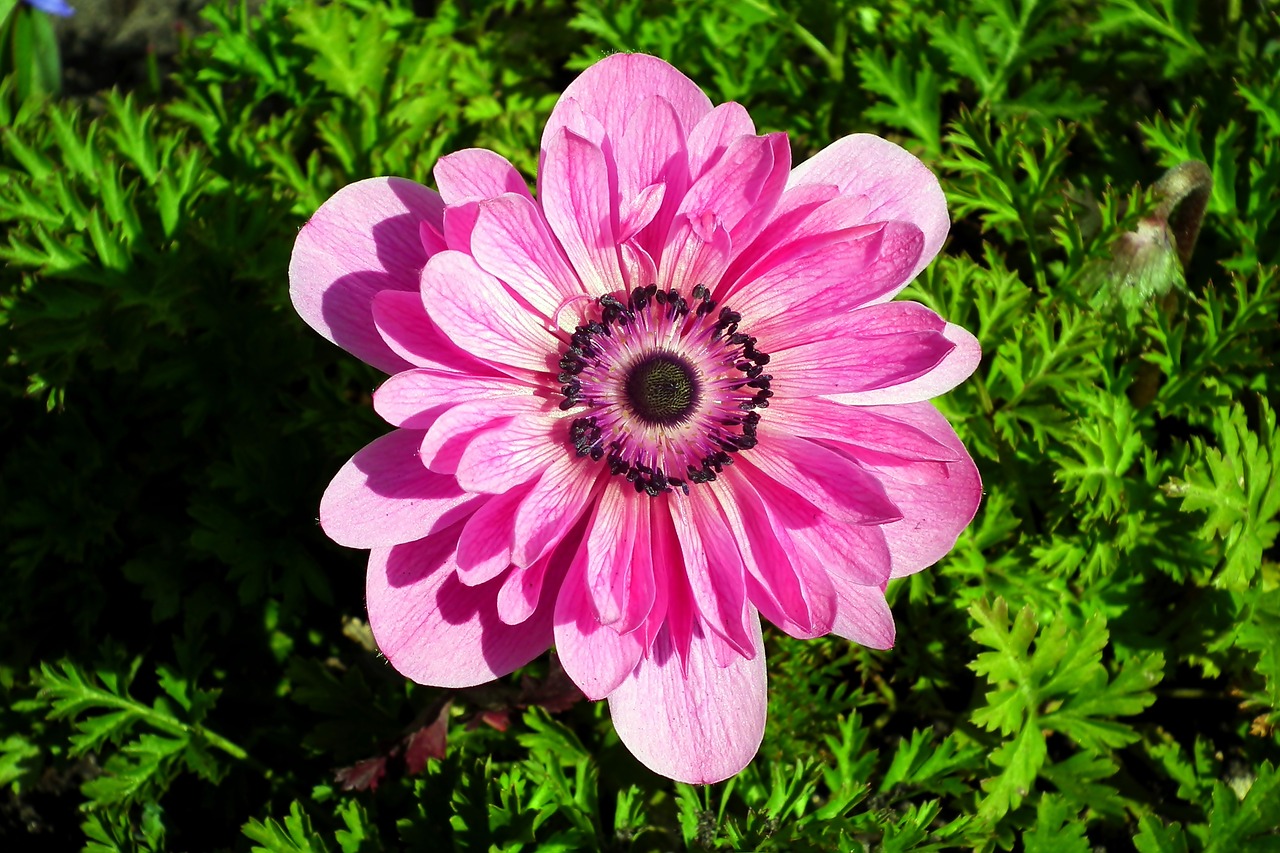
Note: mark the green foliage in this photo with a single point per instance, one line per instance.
(169, 426)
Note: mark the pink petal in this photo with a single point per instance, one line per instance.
(802, 213)
(595, 656)
(872, 427)
(802, 606)
(711, 136)
(480, 315)
(579, 208)
(697, 722)
(653, 173)
(863, 616)
(828, 280)
(850, 554)
(385, 496)
(557, 501)
(414, 398)
(713, 567)
(364, 239)
(522, 591)
(459, 223)
(476, 173)
(500, 459)
(403, 323)
(732, 188)
(620, 559)
(454, 430)
(758, 215)
(957, 366)
(511, 240)
(875, 347)
(484, 548)
(436, 630)
(612, 89)
(821, 482)
(898, 186)
(937, 499)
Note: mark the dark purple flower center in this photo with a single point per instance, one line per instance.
(662, 389)
(671, 390)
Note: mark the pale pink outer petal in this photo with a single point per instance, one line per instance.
(511, 240)
(478, 313)
(476, 173)
(595, 656)
(580, 209)
(898, 186)
(364, 239)
(863, 616)
(386, 496)
(957, 366)
(434, 629)
(613, 88)
(697, 723)
(937, 499)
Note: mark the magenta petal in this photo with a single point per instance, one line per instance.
(957, 366)
(409, 398)
(828, 280)
(476, 173)
(500, 459)
(713, 567)
(620, 559)
(734, 187)
(453, 430)
(553, 506)
(403, 323)
(364, 239)
(697, 722)
(612, 89)
(850, 554)
(595, 656)
(386, 496)
(800, 604)
(937, 499)
(511, 240)
(580, 210)
(898, 186)
(821, 479)
(438, 631)
(712, 135)
(873, 427)
(478, 313)
(879, 346)
(484, 548)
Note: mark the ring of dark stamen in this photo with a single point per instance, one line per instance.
(666, 386)
(662, 389)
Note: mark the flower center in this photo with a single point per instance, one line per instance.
(670, 390)
(662, 389)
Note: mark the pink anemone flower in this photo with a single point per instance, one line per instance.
(667, 395)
